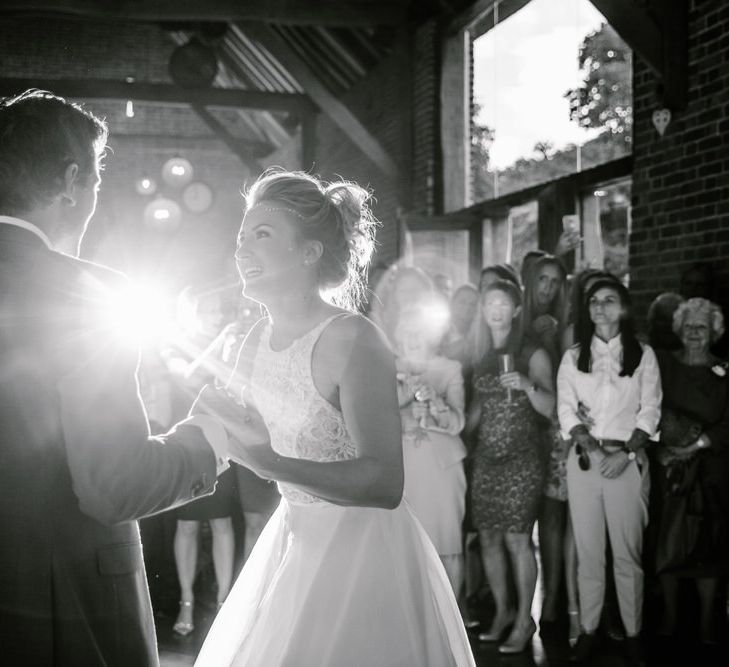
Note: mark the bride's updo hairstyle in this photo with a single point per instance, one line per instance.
(335, 214)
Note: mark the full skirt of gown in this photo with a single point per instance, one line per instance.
(332, 586)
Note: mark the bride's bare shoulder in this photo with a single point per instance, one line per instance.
(354, 329)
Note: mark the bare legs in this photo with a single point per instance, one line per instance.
(185, 549)
(524, 566)
(255, 523)
(498, 550)
(223, 548)
(496, 567)
(455, 569)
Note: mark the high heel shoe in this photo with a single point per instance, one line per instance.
(574, 631)
(496, 632)
(184, 628)
(519, 639)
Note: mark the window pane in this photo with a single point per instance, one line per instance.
(607, 228)
(552, 96)
(441, 252)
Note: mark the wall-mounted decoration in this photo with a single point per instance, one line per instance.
(661, 118)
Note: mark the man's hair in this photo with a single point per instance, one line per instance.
(40, 136)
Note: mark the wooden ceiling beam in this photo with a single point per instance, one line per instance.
(634, 24)
(329, 103)
(161, 93)
(658, 31)
(344, 13)
(238, 148)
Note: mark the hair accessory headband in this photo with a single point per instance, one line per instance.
(272, 207)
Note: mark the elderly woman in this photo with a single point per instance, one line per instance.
(617, 380)
(692, 478)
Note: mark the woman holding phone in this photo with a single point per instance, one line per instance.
(506, 413)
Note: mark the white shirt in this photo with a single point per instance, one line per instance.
(17, 222)
(617, 404)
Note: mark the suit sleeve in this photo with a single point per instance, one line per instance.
(119, 471)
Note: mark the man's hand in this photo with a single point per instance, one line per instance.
(612, 465)
(583, 414)
(249, 442)
(581, 436)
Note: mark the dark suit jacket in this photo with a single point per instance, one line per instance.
(77, 467)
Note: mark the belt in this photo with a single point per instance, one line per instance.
(611, 445)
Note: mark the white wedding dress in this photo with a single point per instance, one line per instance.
(326, 585)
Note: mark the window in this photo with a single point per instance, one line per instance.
(606, 227)
(552, 93)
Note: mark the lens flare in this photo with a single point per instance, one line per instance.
(139, 315)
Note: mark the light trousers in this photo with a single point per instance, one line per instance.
(621, 505)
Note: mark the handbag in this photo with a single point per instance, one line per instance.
(682, 522)
(678, 429)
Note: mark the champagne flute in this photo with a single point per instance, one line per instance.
(506, 365)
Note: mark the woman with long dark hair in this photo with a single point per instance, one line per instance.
(616, 378)
(508, 475)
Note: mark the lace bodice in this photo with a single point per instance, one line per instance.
(301, 423)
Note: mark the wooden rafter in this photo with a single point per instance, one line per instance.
(239, 148)
(160, 93)
(329, 103)
(658, 31)
(352, 13)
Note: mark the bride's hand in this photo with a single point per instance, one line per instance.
(243, 423)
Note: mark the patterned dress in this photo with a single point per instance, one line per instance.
(508, 471)
(329, 585)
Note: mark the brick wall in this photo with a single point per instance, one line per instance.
(681, 180)
(398, 102)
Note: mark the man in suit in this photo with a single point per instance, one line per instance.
(78, 466)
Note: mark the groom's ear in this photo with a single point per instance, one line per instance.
(70, 185)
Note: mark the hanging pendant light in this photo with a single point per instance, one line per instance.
(177, 172)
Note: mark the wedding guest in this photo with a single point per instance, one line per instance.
(399, 288)
(430, 393)
(506, 411)
(692, 480)
(545, 319)
(545, 304)
(659, 321)
(462, 312)
(193, 364)
(617, 379)
(490, 274)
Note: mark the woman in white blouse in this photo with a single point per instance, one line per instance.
(609, 397)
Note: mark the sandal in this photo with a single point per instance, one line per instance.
(184, 628)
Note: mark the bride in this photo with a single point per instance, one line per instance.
(342, 574)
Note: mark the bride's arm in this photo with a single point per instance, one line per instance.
(361, 364)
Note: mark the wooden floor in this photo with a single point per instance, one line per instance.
(550, 650)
